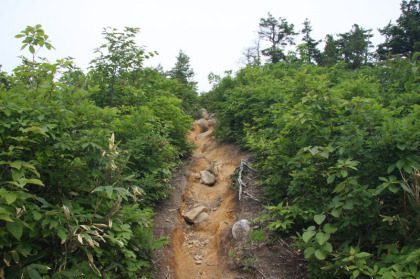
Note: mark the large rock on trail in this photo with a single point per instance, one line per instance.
(205, 114)
(203, 124)
(207, 178)
(240, 229)
(192, 214)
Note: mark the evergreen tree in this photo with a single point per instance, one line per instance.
(279, 33)
(313, 54)
(187, 88)
(182, 70)
(402, 38)
(331, 53)
(354, 46)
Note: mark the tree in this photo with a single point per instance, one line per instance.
(182, 70)
(279, 33)
(402, 38)
(331, 53)
(312, 52)
(252, 55)
(186, 90)
(354, 46)
(119, 55)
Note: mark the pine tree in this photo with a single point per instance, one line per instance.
(279, 33)
(354, 46)
(182, 70)
(331, 53)
(402, 38)
(311, 44)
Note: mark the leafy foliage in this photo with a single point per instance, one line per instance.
(77, 181)
(403, 37)
(338, 154)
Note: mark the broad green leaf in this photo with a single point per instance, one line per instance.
(16, 164)
(10, 197)
(320, 255)
(314, 150)
(17, 174)
(32, 49)
(39, 266)
(37, 215)
(15, 228)
(330, 179)
(306, 236)
(400, 164)
(321, 237)
(393, 188)
(62, 234)
(33, 273)
(309, 252)
(327, 247)
(348, 205)
(356, 273)
(328, 228)
(5, 217)
(391, 168)
(319, 219)
(34, 181)
(336, 212)
(109, 190)
(344, 173)
(363, 255)
(324, 154)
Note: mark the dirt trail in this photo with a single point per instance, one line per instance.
(199, 248)
(197, 251)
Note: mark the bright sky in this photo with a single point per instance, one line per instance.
(213, 33)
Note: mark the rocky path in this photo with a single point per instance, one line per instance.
(206, 209)
(205, 220)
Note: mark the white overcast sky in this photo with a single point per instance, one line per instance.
(213, 33)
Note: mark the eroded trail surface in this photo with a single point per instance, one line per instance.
(202, 217)
(205, 210)
(196, 241)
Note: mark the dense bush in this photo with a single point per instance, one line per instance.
(338, 154)
(77, 181)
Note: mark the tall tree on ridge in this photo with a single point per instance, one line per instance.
(279, 33)
(354, 46)
(313, 52)
(187, 87)
(402, 38)
(331, 53)
(182, 70)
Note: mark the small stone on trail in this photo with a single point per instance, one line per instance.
(207, 178)
(192, 214)
(205, 114)
(201, 218)
(240, 229)
(203, 123)
(205, 134)
(196, 175)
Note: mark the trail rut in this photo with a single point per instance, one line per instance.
(195, 248)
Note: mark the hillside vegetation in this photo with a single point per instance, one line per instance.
(84, 158)
(336, 143)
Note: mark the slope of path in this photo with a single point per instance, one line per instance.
(196, 247)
